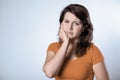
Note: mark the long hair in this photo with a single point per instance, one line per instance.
(86, 36)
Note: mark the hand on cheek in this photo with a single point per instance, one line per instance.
(63, 35)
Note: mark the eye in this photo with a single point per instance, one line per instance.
(76, 23)
(66, 21)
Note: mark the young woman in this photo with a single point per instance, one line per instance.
(74, 56)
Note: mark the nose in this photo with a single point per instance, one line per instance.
(71, 26)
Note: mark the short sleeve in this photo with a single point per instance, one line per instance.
(53, 47)
(96, 55)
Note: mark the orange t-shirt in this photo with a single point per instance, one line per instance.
(80, 68)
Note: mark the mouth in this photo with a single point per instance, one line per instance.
(70, 33)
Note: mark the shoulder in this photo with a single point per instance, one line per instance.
(94, 49)
(54, 46)
(94, 46)
(96, 54)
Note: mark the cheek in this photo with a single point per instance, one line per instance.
(77, 30)
(63, 26)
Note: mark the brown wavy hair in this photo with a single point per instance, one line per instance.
(86, 36)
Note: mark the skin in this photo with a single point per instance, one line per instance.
(72, 26)
(70, 29)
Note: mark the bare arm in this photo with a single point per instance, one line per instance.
(100, 71)
(54, 61)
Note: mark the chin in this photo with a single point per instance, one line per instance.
(73, 38)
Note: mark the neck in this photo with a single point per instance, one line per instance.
(73, 45)
(74, 41)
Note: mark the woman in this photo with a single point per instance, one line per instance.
(74, 56)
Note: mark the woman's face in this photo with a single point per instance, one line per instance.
(72, 25)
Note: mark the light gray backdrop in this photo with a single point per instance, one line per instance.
(28, 26)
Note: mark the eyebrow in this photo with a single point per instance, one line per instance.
(74, 20)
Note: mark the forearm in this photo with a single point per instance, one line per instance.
(53, 66)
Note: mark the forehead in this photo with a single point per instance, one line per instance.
(71, 16)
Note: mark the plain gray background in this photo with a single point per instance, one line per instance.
(27, 27)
